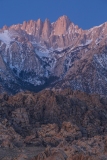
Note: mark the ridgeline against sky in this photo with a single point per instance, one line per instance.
(84, 13)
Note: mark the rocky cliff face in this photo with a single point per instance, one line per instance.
(35, 55)
(51, 35)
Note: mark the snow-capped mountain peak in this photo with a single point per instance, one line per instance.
(38, 54)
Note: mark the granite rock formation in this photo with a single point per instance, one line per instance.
(36, 55)
(67, 121)
(66, 68)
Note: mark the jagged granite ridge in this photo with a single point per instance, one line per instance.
(35, 55)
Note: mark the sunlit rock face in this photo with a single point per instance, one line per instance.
(36, 54)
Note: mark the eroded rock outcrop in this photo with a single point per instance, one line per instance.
(67, 120)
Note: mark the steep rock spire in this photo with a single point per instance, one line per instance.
(46, 29)
(61, 25)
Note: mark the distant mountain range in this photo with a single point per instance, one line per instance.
(37, 55)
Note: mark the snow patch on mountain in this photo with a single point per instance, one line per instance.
(5, 37)
(59, 49)
(86, 43)
(42, 54)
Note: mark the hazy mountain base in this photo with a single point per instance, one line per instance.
(65, 125)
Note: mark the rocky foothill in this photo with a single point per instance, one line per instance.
(65, 125)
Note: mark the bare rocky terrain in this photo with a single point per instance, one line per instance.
(66, 124)
(53, 91)
(36, 55)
